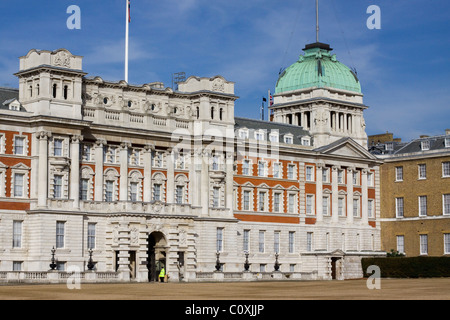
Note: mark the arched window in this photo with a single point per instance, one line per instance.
(212, 113)
(54, 90)
(221, 114)
(66, 91)
(198, 112)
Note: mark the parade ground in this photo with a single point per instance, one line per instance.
(389, 289)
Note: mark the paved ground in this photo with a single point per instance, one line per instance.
(391, 289)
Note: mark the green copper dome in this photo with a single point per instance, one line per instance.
(317, 68)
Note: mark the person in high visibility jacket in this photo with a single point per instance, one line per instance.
(162, 274)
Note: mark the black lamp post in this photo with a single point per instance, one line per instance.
(53, 264)
(277, 265)
(90, 264)
(246, 264)
(218, 261)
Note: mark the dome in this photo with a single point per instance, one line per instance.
(317, 68)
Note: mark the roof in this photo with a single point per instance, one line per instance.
(8, 95)
(317, 68)
(393, 148)
(283, 129)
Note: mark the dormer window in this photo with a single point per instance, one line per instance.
(425, 145)
(389, 146)
(259, 135)
(306, 141)
(447, 142)
(243, 133)
(274, 137)
(289, 139)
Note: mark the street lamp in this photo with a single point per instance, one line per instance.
(246, 264)
(90, 264)
(53, 264)
(277, 265)
(218, 261)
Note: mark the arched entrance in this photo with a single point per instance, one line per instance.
(156, 255)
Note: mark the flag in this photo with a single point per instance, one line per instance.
(129, 11)
(270, 99)
(264, 99)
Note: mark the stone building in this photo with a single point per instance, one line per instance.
(415, 197)
(145, 176)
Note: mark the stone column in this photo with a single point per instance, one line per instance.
(334, 193)
(229, 181)
(123, 187)
(147, 183)
(364, 198)
(204, 183)
(170, 192)
(75, 170)
(98, 192)
(43, 168)
(124, 263)
(350, 195)
(319, 191)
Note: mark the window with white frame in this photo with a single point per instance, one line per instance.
(306, 141)
(246, 241)
(274, 137)
(446, 243)
(370, 208)
(356, 178)
(216, 197)
(58, 147)
(2, 143)
(341, 206)
(446, 204)
(291, 203)
(425, 145)
(111, 188)
(389, 146)
(17, 265)
(60, 234)
(17, 234)
(110, 154)
(87, 184)
(19, 185)
(340, 176)
(309, 204)
(309, 241)
(398, 173)
(261, 168)
(291, 171)
(262, 195)
(134, 157)
(91, 235)
(356, 207)
(246, 205)
(259, 135)
(422, 206)
(277, 202)
(289, 139)
(58, 187)
(246, 167)
(447, 142)
(134, 191)
(276, 242)
(445, 169)
(422, 171)
(215, 163)
(219, 239)
(423, 244)
(309, 173)
(399, 210)
(109, 191)
(277, 170)
(135, 180)
(370, 181)
(325, 175)
(157, 159)
(326, 205)
(157, 192)
(86, 152)
(261, 241)
(243, 133)
(19, 145)
(401, 244)
(291, 241)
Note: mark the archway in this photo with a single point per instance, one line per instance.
(156, 255)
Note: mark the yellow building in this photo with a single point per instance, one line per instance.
(415, 195)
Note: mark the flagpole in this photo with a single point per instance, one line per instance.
(126, 39)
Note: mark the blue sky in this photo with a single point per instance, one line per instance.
(404, 68)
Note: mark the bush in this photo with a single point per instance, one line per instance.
(414, 267)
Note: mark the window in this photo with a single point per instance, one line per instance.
(133, 191)
(246, 167)
(156, 192)
(309, 173)
(276, 170)
(446, 169)
(425, 145)
(401, 244)
(325, 205)
(446, 243)
(243, 134)
(423, 244)
(259, 135)
(399, 207)
(309, 239)
(422, 206)
(84, 189)
(91, 236)
(446, 203)
(276, 242)
(309, 204)
(325, 175)
(447, 142)
(261, 169)
(60, 234)
(288, 139)
(58, 147)
(246, 245)
(276, 202)
(340, 176)
(216, 197)
(291, 241)
(306, 142)
(355, 178)
(341, 206)
(370, 208)
(291, 203)
(86, 153)
(389, 146)
(261, 245)
(262, 201)
(19, 179)
(109, 192)
(273, 137)
(422, 171)
(19, 145)
(291, 170)
(262, 268)
(370, 182)
(398, 173)
(17, 265)
(179, 194)
(215, 163)
(356, 208)
(219, 237)
(246, 202)
(57, 186)
(17, 234)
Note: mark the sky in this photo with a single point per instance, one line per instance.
(404, 67)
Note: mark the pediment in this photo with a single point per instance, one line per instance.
(346, 147)
(20, 166)
(338, 252)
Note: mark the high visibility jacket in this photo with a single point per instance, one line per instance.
(162, 273)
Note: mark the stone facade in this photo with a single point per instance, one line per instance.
(147, 176)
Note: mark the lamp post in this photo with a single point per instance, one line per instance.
(246, 264)
(277, 265)
(90, 264)
(53, 264)
(218, 261)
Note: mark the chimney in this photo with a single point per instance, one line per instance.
(424, 136)
(447, 132)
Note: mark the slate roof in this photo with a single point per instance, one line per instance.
(7, 94)
(437, 143)
(283, 129)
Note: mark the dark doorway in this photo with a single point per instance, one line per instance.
(156, 255)
(334, 268)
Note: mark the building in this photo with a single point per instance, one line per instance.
(141, 176)
(415, 195)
